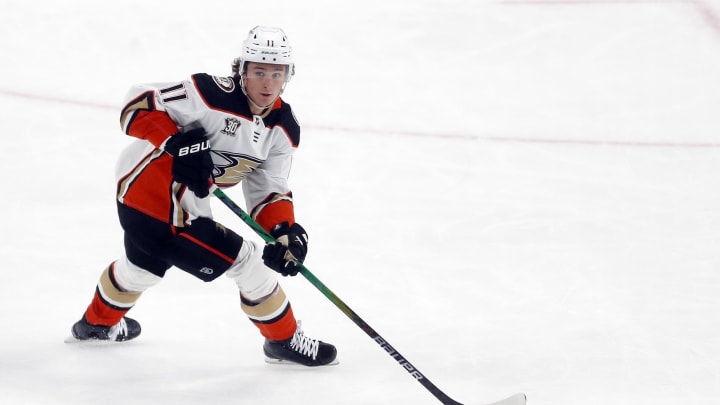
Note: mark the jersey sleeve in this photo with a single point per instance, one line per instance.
(154, 112)
(143, 118)
(266, 189)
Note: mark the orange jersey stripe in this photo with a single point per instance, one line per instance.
(150, 189)
(279, 209)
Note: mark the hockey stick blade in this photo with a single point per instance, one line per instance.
(517, 399)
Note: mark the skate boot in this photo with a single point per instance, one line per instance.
(126, 329)
(300, 349)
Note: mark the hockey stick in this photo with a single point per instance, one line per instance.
(517, 399)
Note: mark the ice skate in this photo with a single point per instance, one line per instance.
(124, 330)
(300, 349)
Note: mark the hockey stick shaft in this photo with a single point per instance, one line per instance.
(411, 369)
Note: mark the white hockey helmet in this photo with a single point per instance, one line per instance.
(265, 45)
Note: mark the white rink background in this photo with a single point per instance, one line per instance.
(519, 196)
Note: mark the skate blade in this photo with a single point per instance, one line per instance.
(90, 342)
(270, 360)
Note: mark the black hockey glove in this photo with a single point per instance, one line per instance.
(192, 164)
(291, 245)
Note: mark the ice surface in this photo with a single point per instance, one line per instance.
(517, 195)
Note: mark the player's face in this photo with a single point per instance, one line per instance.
(264, 82)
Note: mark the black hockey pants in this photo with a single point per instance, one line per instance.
(205, 249)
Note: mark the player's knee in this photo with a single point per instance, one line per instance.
(133, 278)
(250, 274)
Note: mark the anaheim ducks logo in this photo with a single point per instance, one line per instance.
(226, 84)
(231, 168)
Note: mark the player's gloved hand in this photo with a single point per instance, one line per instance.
(192, 164)
(291, 244)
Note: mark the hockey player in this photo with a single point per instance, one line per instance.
(226, 130)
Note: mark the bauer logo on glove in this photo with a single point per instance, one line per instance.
(192, 164)
(200, 146)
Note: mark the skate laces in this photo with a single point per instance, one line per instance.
(120, 329)
(303, 344)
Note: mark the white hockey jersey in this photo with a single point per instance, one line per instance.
(252, 149)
